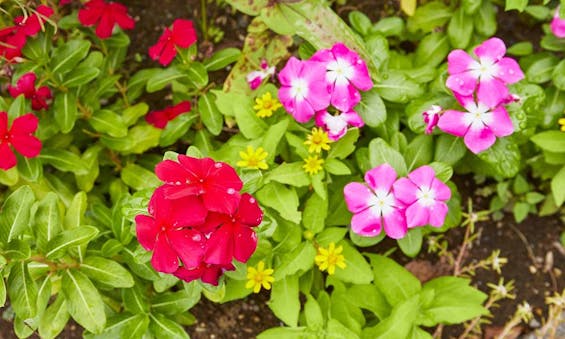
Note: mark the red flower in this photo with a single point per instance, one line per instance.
(64, 2)
(30, 25)
(234, 236)
(26, 86)
(106, 15)
(182, 35)
(11, 42)
(160, 119)
(19, 137)
(207, 273)
(216, 183)
(166, 233)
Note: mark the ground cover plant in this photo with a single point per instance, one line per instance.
(329, 148)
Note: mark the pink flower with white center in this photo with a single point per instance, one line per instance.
(255, 78)
(425, 196)
(558, 25)
(479, 125)
(376, 207)
(303, 88)
(346, 73)
(489, 74)
(431, 118)
(336, 125)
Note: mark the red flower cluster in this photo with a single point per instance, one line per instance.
(160, 119)
(26, 86)
(199, 222)
(13, 38)
(106, 15)
(182, 35)
(20, 137)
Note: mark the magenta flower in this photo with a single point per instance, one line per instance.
(489, 74)
(26, 86)
(558, 25)
(255, 78)
(336, 125)
(346, 73)
(431, 118)
(479, 125)
(425, 196)
(303, 89)
(376, 207)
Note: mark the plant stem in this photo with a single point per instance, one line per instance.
(204, 19)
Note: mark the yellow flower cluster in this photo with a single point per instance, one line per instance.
(328, 259)
(313, 164)
(259, 277)
(253, 159)
(316, 141)
(266, 105)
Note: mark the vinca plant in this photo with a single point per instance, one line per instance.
(324, 137)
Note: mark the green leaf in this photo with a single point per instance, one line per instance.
(9, 177)
(460, 29)
(519, 5)
(334, 166)
(163, 77)
(30, 169)
(63, 160)
(250, 125)
(53, 320)
(397, 87)
(520, 211)
(504, 157)
(75, 212)
(553, 141)
(289, 173)
(372, 109)
(357, 270)
(419, 152)
(139, 139)
(175, 302)
(443, 171)
(139, 178)
(283, 332)
(429, 16)
(125, 325)
(339, 330)
(398, 324)
(282, 199)
(22, 291)
(393, 280)
(558, 75)
(197, 75)
(558, 187)
(432, 50)
(315, 213)
(67, 56)
(222, 58)
(360, 22)
(83, 301)
(106, 271)
(313, 313)
(17, 250)
(48, 220)
(57, 246)
(135, 300)
(411, 243)
(65, 111)
(81, 76)
(381, 153)
(131, 114)
(541, 69)
(15, 216)
(209, 113)
(2, 292)
(284, 300)
(176, 129)
(344, 146)
(485, 19)
(273, 137)
(108, 122)
(367, 296)
(162, 327)
(449, 149)
(300, 260)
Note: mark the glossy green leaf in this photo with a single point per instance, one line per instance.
(163, 77)
(284, 300)
(57, 246)
(68, 55)
(15, 216)
(289, 173)
(393, 280)
(63, 160)
(83, 301)
(222, 58)
(209, 113)
(106, 271)
(315, 213)
(108, 122)
(372, 109)
(162, 327)
(22, 291)
(139, 178)
(65, 111)
(282, 199)
(53, 320)
(357, 270)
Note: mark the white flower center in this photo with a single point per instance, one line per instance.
(478, 116)
(298, 89)
(339, 72)
(484, 69)
(426, 196)
(382, 203)
(336, 124)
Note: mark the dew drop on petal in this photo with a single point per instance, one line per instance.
(197, 237)
(231, 191)
(201, 191)
(252, 200)
(218, 165)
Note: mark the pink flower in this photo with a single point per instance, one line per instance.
(255, 78)
(336, 125)
(106, 15)
(425, 196)
(181, 35)
(303, 88)
(208, 273)
(12, 41)
(558, 25)
(233, 235)
(490, 73)
(431, 118)
(20, 137)
(216, 183)
(26, 86)
(479, 125)
(376, 206)
(165, 231)
(160, 119)
(32, 24)
(346, 73)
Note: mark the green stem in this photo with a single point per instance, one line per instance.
(204, 19)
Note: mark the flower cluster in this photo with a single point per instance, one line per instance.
(396, 204)
(182, 35)
(558, 25)
(19, 137)
(330, 77)
(316, 141)
(329, 258)
(161, 118)
(13, 38)
(266, 105)
(105, 16)
(255, 78)
(480, 86)
(26, 87)
(198, 221)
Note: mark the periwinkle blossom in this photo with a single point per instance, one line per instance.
(346, 73)
(336, 125)
(375, 206)
(431, 117)
(488, 74)
(558, 25)
(480, 125)
(303, 89)
(255, 78)
(425, 196)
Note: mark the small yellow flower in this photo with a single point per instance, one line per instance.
(317, 141)
(313, 164)
(328, 259)
(266, 105)
(253, 159)
(259, 277)
(562, 123)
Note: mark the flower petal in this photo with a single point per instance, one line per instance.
(249, 213)
(438, 214)
(7, 157)
(405, 191)
(502, 124)
(245, 241)
(24, 125)
(463, 83)
(184, 34)
(381, 177)
(458, 61)
(366, 223)
(422, 176)
(417, 215)
(220, 246)
(164, 257)
(492, 49)
(189, 246)
(509, 71)
(171, 172)
(345, 97)
(357, 197)
(394, 224)
(492, 92)
(453, 122)
(27, 145)
(478, 140)
(442, 191)
(146, 231)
